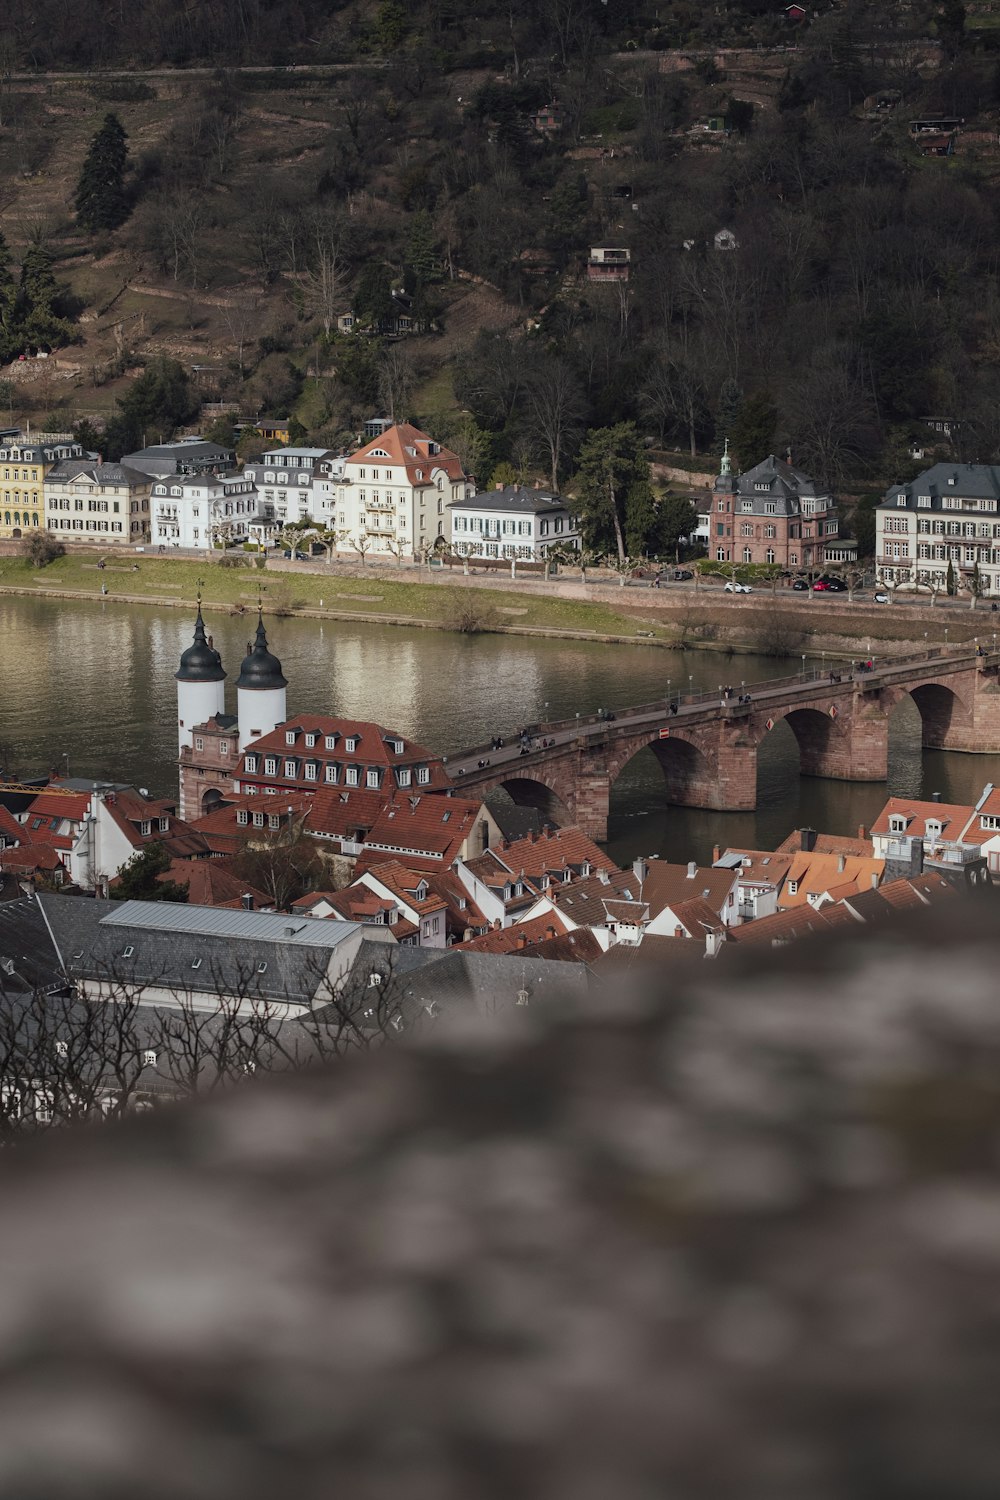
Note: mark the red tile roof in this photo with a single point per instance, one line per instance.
(53, 804)
(521, 935)
(952, 816)
(419, 828)
(828, 843)
(666, 884)
(409, 448)
(210, 882)
(552, 851)
(374, 751)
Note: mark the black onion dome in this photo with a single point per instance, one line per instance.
(260, 670)
(200, 662)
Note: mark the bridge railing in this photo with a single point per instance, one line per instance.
(810, 678)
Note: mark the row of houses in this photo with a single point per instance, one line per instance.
(942, 529)
(399, 494)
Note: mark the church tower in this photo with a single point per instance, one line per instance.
(201, 690)
(260, 691)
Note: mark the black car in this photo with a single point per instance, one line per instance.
(682, 575)
(800, 586)
(299, 556)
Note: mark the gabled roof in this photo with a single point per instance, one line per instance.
(375, 748)
(815, 874)
(552, 851)
(666, 884)
(953, 817)
(520, 936)
(405, 445)
(210, 882)
(828, 843)
(697, 917)
(420, 828)
(54, 804)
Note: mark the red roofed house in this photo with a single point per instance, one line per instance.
(428, 833)
(315, 750)
(389, 895)
(394, 492)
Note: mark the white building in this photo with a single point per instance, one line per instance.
(949, 514)
(393, 494)
(94, 502)
(512, 522)
(296, 484)
(199, 510)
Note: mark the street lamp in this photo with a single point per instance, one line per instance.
(803, 664)
(690, 684)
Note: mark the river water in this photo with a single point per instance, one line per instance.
(94, 682)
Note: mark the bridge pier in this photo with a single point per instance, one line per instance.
(855, 747)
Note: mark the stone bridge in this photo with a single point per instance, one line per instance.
(707, 748)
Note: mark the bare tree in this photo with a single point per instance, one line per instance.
(241, 316)
(395, 381)
(554, 409)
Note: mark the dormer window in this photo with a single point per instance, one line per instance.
(403, 776)
(274, 820)
(330, 742)
(270, 765)
(145, 827)
(258, 820)
(793, 886)
(311, 740)
(331, 775)
(372, 779)
(290, 769)
(242, 817)
(351, 775)
(933, 828)
(163, 825)
(897, 823)
(290, 737)
(251, 763)
(351, 743)
(423, 775)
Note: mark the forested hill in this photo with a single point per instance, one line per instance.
(286, 162)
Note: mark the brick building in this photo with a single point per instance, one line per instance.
(771, 514)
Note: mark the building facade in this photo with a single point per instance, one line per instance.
(948, 515)
(95, 502)
(295, 484)
(772, 514)
(393, 494)
(512, 522)
(188, 455)
(202, 510)
(24, 463)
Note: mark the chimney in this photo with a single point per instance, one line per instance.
(862, 831)
(640, 869)
(935, 796)
(550, 931)
(246, 901)
(716, 854)
(807, 840)
(874, 880)
(841, 864)
(692, 869)
(522, 940)
(604, 877)
(713, 941)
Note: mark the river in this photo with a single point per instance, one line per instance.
(93, 682)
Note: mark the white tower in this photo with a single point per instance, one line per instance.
(260, 691)
(201, 684)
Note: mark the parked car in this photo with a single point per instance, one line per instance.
(881, 598)
(737, 588)
(682, 575)
(836, 585)
(800, 586)
(820, 586)
(299, 556)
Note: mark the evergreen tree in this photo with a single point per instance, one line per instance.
(38, 318)
(730, 397)
(101, 201)
(159, 401)
(139, 880)
(373, 298)
(609, 490)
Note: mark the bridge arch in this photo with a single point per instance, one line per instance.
(536, 791)
(689, 776)
(943, 711)
(815, 733)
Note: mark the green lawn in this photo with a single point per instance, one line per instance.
(378, 594)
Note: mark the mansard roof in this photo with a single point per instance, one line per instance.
(773, 480)
(967, 481)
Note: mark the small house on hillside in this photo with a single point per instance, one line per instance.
(608, 264)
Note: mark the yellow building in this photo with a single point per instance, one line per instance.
(24, 463)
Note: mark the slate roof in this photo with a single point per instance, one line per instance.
(966, 481)
(28, 958)
(786, 487)
(193, 949)
(113, 474)
(515, 499)
(422, 981)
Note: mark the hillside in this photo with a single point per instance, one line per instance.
(401, 162)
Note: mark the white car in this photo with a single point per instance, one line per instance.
(737, 588)
(881, 598)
